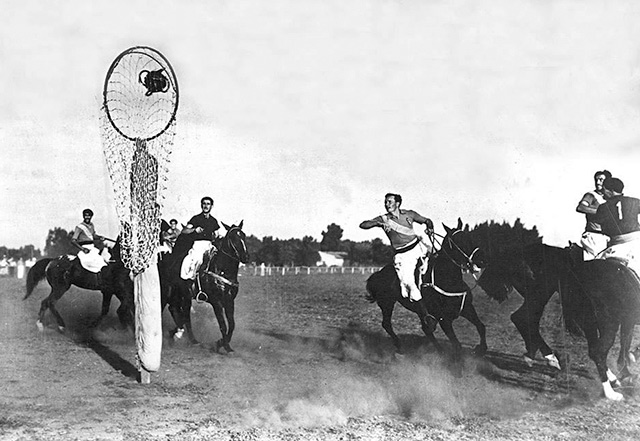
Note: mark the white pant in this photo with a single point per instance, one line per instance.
(593, 244)
(193, 260)
(625, 247)
(92, 261)
(405, 265)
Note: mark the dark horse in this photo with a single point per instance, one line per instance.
(216, 284)
(64, 271)
(536, 271)
(445, 295)
(598, 298)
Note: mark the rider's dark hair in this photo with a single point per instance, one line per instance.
(206, 198)
(396, 197)
(606, 173)
(87, 212)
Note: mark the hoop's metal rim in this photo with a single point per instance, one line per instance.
(173, 79)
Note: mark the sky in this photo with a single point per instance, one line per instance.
(295, 114)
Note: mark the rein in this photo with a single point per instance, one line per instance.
(464, 267)
(452, 244)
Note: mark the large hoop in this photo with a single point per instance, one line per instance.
(140, 94)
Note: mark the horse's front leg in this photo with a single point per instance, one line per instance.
(469, 313)
(446, 323)
(218, 310)
(527, 321)
(229, 312)
(106, 304)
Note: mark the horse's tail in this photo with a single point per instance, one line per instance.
(36, 274)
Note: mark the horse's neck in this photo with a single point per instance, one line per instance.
(444, 266)
(225, 265)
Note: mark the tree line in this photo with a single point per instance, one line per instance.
(490, 236)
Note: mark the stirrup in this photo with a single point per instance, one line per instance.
(201, 297)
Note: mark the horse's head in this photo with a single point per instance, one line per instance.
(459, 247)
(494, 282)
(234, 243)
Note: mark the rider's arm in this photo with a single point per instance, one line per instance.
(585, 205)
(375, 222)
(423, 220)
(190, 229)
(74, 241)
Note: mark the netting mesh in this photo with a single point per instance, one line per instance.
(137, 123)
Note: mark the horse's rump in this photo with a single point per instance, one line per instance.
(383, 285)
(601, 287)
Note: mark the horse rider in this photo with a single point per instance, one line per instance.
(593, 241)
(618, 217)
(84, 237)
(204, 228)
(407, 246)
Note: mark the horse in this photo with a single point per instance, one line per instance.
(216, 283)
(64, 271)
(445, 295)
(598, 297)
(603, 296)
(536, 271)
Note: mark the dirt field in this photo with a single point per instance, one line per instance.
(311, 362)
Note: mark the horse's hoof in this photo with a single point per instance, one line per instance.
(178, 333)
(528, 360)
(228, 349)
(610, 394)
(553, 361)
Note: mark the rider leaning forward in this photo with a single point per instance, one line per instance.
(618, 217)
(407, 246)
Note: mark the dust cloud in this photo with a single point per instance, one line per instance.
(320, 382)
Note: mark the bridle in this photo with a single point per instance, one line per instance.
(227, 241)
(468, 265)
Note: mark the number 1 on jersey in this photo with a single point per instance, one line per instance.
(619, 206)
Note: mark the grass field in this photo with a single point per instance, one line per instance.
(311, 362)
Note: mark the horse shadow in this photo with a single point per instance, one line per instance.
(114, 359)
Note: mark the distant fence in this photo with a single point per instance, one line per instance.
(306, 270)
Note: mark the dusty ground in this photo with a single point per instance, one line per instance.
(311, 362)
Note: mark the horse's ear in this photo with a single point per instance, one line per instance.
(225, 225)
(459, 224)
(240, 225)
(447, 229)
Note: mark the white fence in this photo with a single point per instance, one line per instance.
(307, 270)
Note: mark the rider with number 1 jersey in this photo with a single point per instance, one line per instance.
(618, 217)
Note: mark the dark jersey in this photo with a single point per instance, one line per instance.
(208, 224)
(619, 215)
